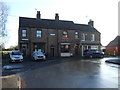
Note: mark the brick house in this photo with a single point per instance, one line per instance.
(56, 37)
(114, 47)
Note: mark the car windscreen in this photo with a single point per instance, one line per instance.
(39, 53)
(16, 53)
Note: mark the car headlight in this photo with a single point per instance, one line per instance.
(102, 52)
(21, 57)
(13, 58)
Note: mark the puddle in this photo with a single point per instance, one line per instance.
(9, 67)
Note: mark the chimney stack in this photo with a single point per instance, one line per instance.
(56, 16)
(91, 23)
(38, 16)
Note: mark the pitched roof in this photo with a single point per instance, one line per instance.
(115, 42)
(54, 24)
(117, 39)
(85, 28)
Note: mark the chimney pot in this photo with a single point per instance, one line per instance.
(91, 23)
(56, 16)
(38, 16)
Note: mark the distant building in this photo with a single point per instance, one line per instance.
(103, 48)
(114, 47)
(56, 37)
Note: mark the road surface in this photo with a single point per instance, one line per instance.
(75, 73)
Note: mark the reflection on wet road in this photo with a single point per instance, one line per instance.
(89, 73)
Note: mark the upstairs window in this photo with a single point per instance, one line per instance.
(92, 37)
(24, 33)
(76, 35)
(38, 33)
(65, 34)
(83, 37)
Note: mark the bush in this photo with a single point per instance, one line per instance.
(5, 54)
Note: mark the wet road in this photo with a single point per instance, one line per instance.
(75, 73)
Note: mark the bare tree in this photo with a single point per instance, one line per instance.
(3, 19)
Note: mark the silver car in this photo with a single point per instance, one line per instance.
(38, 55)
(15, 56)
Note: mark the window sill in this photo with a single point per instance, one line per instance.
(77, 38)
(82, 40)
(64, 38)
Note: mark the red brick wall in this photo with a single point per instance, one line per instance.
(112, 49)
(119, 51)
(54, 40)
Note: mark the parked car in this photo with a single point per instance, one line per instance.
(38, 55)
(93, 53)
(16, 56)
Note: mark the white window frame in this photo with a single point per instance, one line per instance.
(76, 34)
(94, 47)
(92, 37)
(83, 37)
(24, 33)
(38, 33)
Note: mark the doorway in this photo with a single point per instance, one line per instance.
(52, 51)
(76, 49)
(24, 48)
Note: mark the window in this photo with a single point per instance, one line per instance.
(94, 47)
(92, 37)
(76, 35)
(24, 33)
(65, 48)
(84, 37)
(65, 35)
(38, 33)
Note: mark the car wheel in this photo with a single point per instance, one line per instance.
(44, 59)
(101, 56)
(91, 56)
(34, 59)
(10, 61)
(21, 61)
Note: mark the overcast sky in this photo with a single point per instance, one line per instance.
(104, 13)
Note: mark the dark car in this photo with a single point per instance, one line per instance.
(93, 53)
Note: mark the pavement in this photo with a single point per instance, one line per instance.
(114, 60)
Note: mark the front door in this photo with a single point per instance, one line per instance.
(52, 51)
(76, 49)
(24, 50)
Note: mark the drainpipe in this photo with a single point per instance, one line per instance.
(57, 45)
(114, 53)
(30, 52)
(87, 47)
(47, 42)
(82, 50)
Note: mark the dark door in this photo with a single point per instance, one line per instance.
(52, 51)
(24, 50)
(76, 49)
